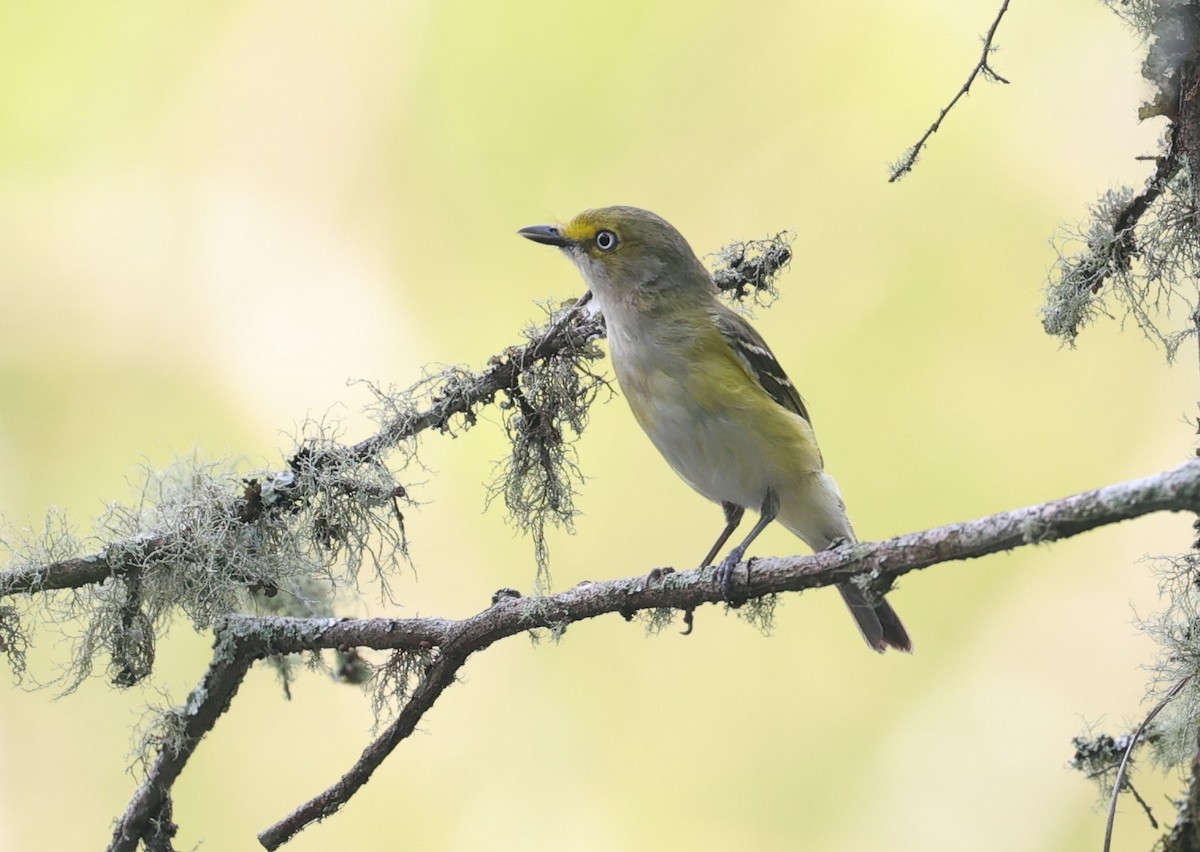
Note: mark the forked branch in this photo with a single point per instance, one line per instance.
(448, 644)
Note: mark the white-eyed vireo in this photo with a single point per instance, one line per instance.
(708, 391)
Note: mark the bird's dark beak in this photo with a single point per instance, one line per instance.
(548, 235)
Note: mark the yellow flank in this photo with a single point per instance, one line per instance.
(714, 423)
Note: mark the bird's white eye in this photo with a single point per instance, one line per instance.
(606, 240)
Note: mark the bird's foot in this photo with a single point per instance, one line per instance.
(840, 541)
(723, 574)
(656, 577)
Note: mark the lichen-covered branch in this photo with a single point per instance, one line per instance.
(444, 645)
(1141, 249)
(177, 739)
(745, 268)
(1185, 834)
(206, 540)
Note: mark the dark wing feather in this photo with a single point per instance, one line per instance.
(758, 358)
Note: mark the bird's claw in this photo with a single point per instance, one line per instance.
(723, 575)
(656, 577)
(689, 616)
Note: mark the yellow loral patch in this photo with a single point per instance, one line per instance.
(580, 232)
(581, 229)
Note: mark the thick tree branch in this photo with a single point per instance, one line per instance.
(876, 565)
(909, 158)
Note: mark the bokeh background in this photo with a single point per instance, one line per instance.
(213, 215)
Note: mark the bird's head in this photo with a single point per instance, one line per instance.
(626, 253)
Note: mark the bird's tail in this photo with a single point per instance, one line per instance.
(813, 509)
(880, 625)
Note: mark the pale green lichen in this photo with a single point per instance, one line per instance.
(657, 620)
(746, 272)
(1176, 629)
(1147, 273)
(1138, 254)
(760, 612)
(393, 681)
(543, 417)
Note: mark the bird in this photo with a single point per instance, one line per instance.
(710, 394)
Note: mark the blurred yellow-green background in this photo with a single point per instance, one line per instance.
(213, 215)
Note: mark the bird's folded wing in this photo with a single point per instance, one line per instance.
(758, 359)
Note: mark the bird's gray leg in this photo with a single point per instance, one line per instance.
(733, 517)
(724, 572)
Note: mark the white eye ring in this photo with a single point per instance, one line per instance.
(606, 240)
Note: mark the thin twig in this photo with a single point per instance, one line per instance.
(1144, 804)
(439, 676)
(1124, 765)
(906, 163)
(558, 327)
